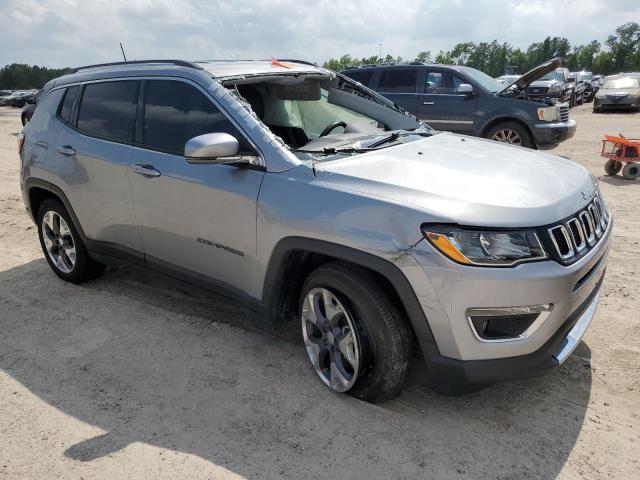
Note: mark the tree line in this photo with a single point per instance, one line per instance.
(20, 76)
(620, 52)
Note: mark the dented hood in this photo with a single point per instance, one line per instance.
(467, 180)
(534, 74)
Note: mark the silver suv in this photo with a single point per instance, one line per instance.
(305, 195)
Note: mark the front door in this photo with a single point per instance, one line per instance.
(442, 107)
(196, 218)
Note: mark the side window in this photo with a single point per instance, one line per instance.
(67, 103)
(443, 83)
(108, 110)
(435, 82)
(362, 76)
(175, 112)
(398, 80)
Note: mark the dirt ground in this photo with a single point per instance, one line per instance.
(137, 376)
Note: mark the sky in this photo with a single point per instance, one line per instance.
(61, 33)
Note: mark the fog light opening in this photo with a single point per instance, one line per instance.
(506, 323)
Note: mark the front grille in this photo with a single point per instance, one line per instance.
(577, 234)
(538, 90)
(564, 113)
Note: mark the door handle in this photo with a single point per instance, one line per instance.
(146, 170)
(42, 144)
(66, 150)
(428, 103)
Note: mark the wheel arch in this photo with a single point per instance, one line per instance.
(38, 191)
(492, 123)
(293, 258)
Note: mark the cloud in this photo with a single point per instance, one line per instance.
(59, 33)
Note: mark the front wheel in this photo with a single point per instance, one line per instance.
(355, 338)
(511, 133)
(62, 246)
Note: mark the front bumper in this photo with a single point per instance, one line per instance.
(549, 133)
(457, 354)
(628, 103)
(554, 352)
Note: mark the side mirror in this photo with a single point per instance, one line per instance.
(31, 101)
(465, 89)
(213, 148)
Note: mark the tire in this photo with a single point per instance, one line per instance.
(631, 171)
(62, 245)
(24, 119)
(380, 342)
(507, 130)
(596, 110)
(612, 167)
(572, 101)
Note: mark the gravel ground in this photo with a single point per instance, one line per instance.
(137, 376)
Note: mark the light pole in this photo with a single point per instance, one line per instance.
(380, 54)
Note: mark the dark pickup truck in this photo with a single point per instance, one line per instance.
(465, 100)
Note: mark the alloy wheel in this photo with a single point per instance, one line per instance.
(331, 339)
(58, 241)
(507, 135)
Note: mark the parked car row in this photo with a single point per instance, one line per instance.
(465, 100)
(16, 98)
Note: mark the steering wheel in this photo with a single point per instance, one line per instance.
(329, 128)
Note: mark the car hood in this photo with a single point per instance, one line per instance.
(618, 92)
(467, 180)
(535, 73)
(544, 83)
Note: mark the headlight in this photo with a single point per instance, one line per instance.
(548, 114)
(495, 248)
(554, 89)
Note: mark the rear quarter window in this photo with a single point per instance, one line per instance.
(362, 76)
(108, 110)
(64, 112)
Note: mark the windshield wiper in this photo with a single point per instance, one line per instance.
(391, 138)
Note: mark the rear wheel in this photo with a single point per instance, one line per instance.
(612, 167)
(355, 338)
(62, 245)
(631, 171)
(510, 132)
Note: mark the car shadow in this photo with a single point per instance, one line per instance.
(148, 359)
(616, 180)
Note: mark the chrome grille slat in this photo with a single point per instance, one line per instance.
(564, 113)
(581, 231)
(577, 235)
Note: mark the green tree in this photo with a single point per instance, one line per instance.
(424, 57)
(20, 76)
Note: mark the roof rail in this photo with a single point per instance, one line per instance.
(180, 63)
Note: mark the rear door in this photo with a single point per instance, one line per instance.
(194, 218)
(399, 84)
(442, 107)
(93, 150)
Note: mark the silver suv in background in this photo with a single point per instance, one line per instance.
(307, 196)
